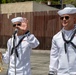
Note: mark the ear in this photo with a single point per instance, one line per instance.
(74, 20)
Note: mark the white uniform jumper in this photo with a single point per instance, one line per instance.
(64, 63)
(23, 61)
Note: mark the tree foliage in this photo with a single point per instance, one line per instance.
(53, 1)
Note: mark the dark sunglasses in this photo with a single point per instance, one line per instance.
(66, 17)
(14, 25)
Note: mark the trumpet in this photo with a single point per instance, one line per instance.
(1, 62)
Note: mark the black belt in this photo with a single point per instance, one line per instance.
(68, 41)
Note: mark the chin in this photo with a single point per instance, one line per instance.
(65, 25)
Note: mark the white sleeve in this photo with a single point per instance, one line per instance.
(6, 54)
(53, 57)
(33, 41)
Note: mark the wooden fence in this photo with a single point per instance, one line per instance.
(42, 24)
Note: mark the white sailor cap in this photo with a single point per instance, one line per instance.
(67, 10)
(17, 19)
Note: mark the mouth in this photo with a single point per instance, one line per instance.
(65, 22)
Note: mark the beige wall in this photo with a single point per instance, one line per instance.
(17, 7)
(42, 7)
(28, 6)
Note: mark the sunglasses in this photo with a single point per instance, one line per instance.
(66, 17)
(14, 25)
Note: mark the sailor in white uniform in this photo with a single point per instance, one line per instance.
(20, 66)
(63, 50)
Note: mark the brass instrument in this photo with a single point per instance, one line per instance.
(1, 63)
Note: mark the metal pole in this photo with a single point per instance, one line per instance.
(14, 52)
(61, 3)
(14, 44)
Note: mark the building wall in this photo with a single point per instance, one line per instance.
(28, 6)
(42, 7)
(17, 7)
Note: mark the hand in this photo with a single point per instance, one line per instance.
(24, 25)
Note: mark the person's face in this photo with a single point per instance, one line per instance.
(67, 21)
(16, 24)
(21, 26)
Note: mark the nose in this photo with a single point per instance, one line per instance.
(64, 18)
(16, 25)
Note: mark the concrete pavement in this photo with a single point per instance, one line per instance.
(39, 62)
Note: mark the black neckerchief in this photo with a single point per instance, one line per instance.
(68, 41)
(16, 52)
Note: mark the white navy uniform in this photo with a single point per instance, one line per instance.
(23, 66)
(61, 62)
